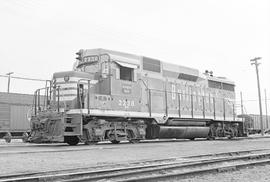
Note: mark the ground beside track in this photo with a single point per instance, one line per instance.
(248, 174)
(18, 157)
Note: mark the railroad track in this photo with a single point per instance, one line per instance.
(152, 170)
(53, 148)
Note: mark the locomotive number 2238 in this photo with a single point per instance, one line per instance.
(126, 103)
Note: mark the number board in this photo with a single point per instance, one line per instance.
(89, 59)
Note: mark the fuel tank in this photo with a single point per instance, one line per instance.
(178, 132)
(185, 123)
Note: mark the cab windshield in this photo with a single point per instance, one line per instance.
(91, 68)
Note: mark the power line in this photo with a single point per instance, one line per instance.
(23, 78)
(252, 100)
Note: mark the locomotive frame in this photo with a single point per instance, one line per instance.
(117, 96)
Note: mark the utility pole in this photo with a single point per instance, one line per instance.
(255, 62)
(266, 116)
(10, 73)
(242, 108)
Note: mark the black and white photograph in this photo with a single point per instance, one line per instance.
(135, 90)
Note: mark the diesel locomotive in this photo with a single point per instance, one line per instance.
(115, 96)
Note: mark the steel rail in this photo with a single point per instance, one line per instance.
(37, 175)
(54, 149)
(149, 141)
(126, 173)
(173, 169)
(198, 171)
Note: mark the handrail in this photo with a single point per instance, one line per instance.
(58, 99)
(179, 104)
(46, 92)
(35, 103)
(37, 100)
(149, 96)
(214, 103)
(143, 83)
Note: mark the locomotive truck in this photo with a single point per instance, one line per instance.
(115, 96)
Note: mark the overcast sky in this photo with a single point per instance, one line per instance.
(38, 38)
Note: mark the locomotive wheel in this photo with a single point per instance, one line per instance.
(25, 137)
(134, 140)
(219, 132)
(7, 137)
(210, 138)
(232, 134)
(115, 141)
(72, 140)
(90, 143)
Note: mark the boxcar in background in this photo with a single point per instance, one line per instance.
(253, 123)
(256, 124)
(13, 115)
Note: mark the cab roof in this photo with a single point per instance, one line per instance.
(71, 74)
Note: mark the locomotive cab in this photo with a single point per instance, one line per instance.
(84, 104)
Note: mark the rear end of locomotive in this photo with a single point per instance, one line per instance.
(186, 104)
(83, 106)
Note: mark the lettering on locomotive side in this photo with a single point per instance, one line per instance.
(126, 103)
(126, 89)
(105, 68)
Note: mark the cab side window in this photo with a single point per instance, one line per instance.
(126, 73)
